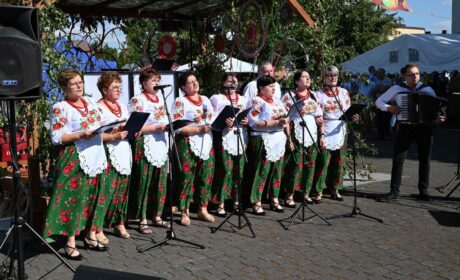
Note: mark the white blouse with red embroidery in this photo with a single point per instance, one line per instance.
(119, 150)
(273, 137)
(155, 143)
(203, 114)
(335, 129)
(66, 119)
(230, 141)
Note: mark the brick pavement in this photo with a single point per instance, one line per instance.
(416, 241)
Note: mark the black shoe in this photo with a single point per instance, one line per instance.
(275, 206)
(389, 197)
(423, 197)
(69, 256)
(220, 212)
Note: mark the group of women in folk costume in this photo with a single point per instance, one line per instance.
(93, 186)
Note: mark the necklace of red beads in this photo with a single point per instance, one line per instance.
(83, 110)
(305, 96)
(233, 100)
(331, 93)
(195, 102)
(267, 99)
(116, 110)
(153, 99)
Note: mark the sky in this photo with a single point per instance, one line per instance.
(433, 15)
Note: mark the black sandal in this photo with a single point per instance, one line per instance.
(275, 206)
(219, 213)
(255, 210)
(69, 256)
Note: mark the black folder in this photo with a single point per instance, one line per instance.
(242, 115)
(353, 110)
(135, 123)
(108, 126)
(180, 124)
(219, 122)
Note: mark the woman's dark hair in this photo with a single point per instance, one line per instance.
(224, 79)
(106, 79)
(146, 74)
(264, 81)
(183, 78)
(298, 74)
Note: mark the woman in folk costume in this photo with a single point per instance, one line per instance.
(267, 119)
(112, 199)
(149, 179)
(334, 101)
(229, 159)
(194, 143)
(298, 173)
(81, 159)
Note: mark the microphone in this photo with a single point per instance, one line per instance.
(230, 88)
(155, 88)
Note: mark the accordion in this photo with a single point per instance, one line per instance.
(419, 107)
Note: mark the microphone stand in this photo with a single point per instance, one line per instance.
(238, 209)
(356, 210)
(303, 203)
(172, 154)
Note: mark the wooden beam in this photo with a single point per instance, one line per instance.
(294, 4)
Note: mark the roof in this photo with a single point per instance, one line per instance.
(166, 9)
(431, 52)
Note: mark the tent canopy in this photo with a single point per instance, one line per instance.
(431, 52)
(231, 64)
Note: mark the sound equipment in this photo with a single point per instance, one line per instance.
(419, 107)
(20, 59)
(89, 273)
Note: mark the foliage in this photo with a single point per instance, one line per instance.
(344, 29)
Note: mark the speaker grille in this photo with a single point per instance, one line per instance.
(19, 63)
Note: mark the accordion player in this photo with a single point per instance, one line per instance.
(419, 107)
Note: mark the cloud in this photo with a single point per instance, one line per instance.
(437, 27)
(447, 3)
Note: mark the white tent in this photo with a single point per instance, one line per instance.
(231, 64)
(431, 52)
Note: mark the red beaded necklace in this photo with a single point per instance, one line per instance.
(267, 99)
(233, 100)
(116, 111)
(83, 110)
(331, 93)
(198, 102)
(306, 96)
(153, 100)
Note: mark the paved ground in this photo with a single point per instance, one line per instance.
(416, 241)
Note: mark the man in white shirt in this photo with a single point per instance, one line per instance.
(265, 68)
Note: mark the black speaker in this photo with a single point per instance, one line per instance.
(20, 59)
(93, 273)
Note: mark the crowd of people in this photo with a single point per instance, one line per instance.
(294, 143)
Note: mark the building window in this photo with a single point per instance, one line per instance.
(394, 57)
(413, 55)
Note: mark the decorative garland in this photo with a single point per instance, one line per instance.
(251, 33)
(166, 47)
